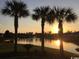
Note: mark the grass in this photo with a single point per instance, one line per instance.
(6, 49)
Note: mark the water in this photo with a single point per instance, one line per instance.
(70, 47)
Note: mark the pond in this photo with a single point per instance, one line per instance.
(54, 43)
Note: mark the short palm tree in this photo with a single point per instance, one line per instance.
(15, 9)
(61, 15)
(42, 13)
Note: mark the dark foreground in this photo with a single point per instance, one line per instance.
(32, 55)
(36, 53)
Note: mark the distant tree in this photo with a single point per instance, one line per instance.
(69, 32)
(15, 9)
(7, 31)
(42, 13)
(6, 34)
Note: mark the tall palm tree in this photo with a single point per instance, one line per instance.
(61, 15)
(15, 9)
(42, 13)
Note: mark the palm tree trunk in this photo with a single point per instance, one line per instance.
(16, 29)
(42, 25)
(60, 37)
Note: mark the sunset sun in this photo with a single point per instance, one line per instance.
(54, 28)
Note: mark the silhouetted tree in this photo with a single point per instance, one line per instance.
(6, 34)
(42, 13)
(15, 9)
(61, 15)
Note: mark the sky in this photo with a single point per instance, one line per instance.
(29, 25)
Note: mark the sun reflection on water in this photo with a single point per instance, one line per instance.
(56, 42)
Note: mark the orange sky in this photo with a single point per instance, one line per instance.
(28, 25)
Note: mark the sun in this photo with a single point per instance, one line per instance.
(54, 29)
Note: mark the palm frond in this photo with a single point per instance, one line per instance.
(37, 11)
(71, 17)
(35, 17)
(23, 13)
(6, 11)
(15, 8)
(43, 13)
(64, 14)
(51, 17)
(68, 11)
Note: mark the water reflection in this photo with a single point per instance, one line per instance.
(56, 42)
(50, 43)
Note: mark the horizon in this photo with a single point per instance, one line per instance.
(28, 25)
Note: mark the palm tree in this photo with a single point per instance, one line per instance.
(42, 13)
(61, 15)
(15, 9)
